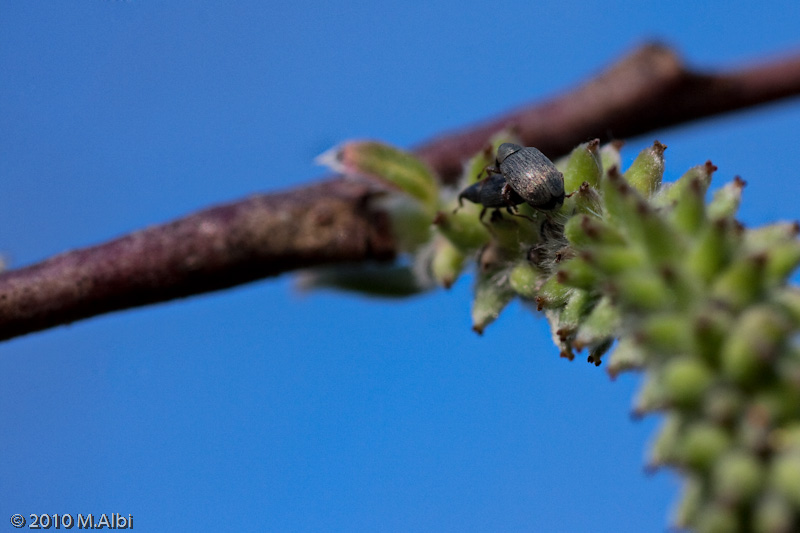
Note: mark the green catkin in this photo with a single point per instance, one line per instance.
(672, 285)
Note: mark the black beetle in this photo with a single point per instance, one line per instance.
(520, 175)
(531, 175)
(492, 191)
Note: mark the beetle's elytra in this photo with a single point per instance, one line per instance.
(534, 177)
(519, 175)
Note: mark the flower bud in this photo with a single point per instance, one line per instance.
(687, 196)
(690, 504)
(685, 381)
(562, 341)
(583, 230)
(787, 438)
(710, 330)
(587, 200)
(711, 251)
(598, 350)
(789, 300)
(782, 261)
(752, 344)
(717, 519)
(741, 283)
(612, 261)
(723, 404)
(642, 291)
(523, 279)
(656, 236)
(583, 165)
(763, 239)
(627, 356)
(784, 476)
(600, 324)
(578, 273)
(651, 396)
(491, 296)
(779, 245)
(552, 294)
(410, 221)
(576, 309)
(701, 174)
(621, 202)
(610, 156)
(385, 164)
(737, 477)
(702, 444)
(647, 170)
(726, 200)
(664, 449)
(463, 229)
(447, 262)
(513, 233)
(665, 333)
(773, 514)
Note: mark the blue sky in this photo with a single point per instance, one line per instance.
(263, 409)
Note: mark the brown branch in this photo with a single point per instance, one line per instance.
(645, 91)
(332, 222)
(212, 249)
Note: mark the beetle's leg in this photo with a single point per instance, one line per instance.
(516, 213)
(505, 194)
(495, 215)
(489, 169)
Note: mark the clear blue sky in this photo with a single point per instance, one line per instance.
(262, 409)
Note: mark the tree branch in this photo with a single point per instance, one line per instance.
(645, 91)
(332, 222)
(212, 249)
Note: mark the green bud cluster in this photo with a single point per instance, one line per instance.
(672, 282)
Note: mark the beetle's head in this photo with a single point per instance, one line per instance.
(505, 150)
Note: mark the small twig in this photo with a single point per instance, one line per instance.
(331, 222)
